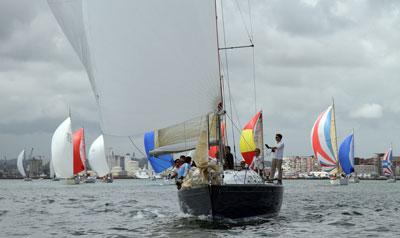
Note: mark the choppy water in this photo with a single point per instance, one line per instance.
(134, 208)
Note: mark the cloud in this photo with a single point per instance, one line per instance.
(368, 111)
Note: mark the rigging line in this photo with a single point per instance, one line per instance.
(253, 56)
(250, 19)
(244, 22)
(227, 75)
(133, 143)
(254, 81)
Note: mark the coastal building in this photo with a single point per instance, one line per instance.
(299, 166)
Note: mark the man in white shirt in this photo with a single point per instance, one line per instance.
(277, 158)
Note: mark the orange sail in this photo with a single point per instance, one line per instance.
(79, 151)
(252, 138)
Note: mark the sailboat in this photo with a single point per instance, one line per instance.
(52, 173)
(387, 166)
(346, 158)
(65, 164)
(156, 64)
(20, 165)
(324, 145)
(98, 161)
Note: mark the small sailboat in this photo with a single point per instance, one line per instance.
(387, 166)
(20, 166)
(98, 161)
(346, 158)
(142, 174)
(65, 164)
(324, 145)
(52, 173)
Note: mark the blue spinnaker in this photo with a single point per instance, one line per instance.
(346, 155)
(159, 163)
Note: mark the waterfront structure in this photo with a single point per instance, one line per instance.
(299, 166)
(132, 166)
(366, 170)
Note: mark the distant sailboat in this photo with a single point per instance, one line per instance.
(98, 161)
(324, 145)
(20, 165)
(65, 165)
(346, 158)
(387, 166)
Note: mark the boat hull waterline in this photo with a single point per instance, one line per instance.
(233, 201)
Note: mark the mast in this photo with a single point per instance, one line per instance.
(335, 142)
(220, 106)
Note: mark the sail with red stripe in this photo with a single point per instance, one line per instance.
(79, 151)
(387, 163)
(252, 138)
(323, 140)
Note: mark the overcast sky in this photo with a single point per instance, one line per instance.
(306, 53)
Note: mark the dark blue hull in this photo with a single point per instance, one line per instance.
(232, 200)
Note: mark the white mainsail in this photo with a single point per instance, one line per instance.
(20, 163)
(62, 150)
(151, 63)
(97, 157)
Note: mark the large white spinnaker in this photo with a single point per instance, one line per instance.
(97, 157)
(62, 150)
(151, 63)
(20, 163)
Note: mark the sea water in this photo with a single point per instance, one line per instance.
(144, 208)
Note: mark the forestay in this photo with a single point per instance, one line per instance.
(62, 150)
(151, 63)
(20, 163)
(97, 157)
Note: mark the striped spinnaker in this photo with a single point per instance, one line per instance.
(387, 163)
(323, 140)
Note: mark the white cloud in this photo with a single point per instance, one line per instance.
(370, 111)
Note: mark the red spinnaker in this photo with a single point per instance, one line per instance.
(79, 151)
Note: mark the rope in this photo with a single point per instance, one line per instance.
(243, 21)
(133, 143)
